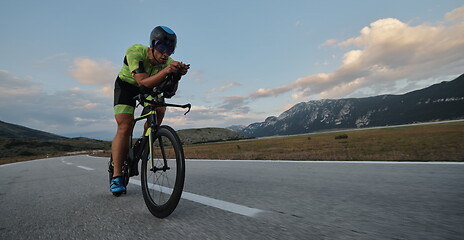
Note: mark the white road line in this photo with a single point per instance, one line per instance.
(227, 206)
(86, 168)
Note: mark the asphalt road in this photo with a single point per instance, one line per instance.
(69, 198)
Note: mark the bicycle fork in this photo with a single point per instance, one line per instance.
(152, 165)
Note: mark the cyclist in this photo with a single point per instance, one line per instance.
(143, 67)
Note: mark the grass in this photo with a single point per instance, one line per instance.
(17, 150)
(431, 142)
(434, 142)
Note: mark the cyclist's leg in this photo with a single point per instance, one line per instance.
(160, 111)
(160, 114)
(120, 144)
(124, 106)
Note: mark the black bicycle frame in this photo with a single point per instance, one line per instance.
(153, 126)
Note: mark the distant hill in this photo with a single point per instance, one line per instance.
(443, 101)
(188, 136)
(15, 147)
(8, 130)
(19, 141)
(206, 135)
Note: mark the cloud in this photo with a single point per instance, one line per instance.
(69, 112)
(455, 15)
(79, 112)
(385, 52)
(197, 76)
(329, 42)
(49, 60)
(224, 88)
(12, 86)
(101, 73)
(264, 92)
(235, 104)
(233, 111)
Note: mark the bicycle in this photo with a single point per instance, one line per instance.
(161, 152)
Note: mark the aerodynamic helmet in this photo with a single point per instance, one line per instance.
(163, 35)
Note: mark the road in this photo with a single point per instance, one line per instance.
(69, 198)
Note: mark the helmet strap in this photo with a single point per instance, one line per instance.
(153, 54)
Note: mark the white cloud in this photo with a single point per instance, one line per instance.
(92, 72)
(100, 73)
(265, 92)
(224, 88)
(329, 42)
(455, 15)
(386, 52)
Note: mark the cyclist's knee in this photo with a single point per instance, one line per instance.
(125, 123)
(124, 128)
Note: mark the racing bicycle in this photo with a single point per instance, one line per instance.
(161, 152)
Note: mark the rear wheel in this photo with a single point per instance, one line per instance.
(163, 176)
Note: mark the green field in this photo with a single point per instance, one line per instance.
(431, 142)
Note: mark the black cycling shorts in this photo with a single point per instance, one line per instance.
(124, 94)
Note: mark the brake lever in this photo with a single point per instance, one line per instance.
(189, 106)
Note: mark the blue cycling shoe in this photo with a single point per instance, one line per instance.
(117, 186)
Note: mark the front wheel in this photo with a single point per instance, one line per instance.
(163, 172)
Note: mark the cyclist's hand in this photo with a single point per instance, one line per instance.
(177, 67)
(184, 69)
(172, 67)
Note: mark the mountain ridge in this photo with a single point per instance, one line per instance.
(14, 131)
(441, 101)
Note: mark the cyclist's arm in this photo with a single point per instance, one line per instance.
(150, 82)
(144, 80)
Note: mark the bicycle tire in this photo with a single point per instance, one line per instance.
(162, 189)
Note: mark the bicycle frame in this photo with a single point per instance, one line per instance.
(152, 128)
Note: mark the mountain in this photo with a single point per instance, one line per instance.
(442, 101)
(8, 130)
(237, 128)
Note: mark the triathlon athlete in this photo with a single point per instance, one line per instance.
(144, 67)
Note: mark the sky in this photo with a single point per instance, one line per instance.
(249, 59)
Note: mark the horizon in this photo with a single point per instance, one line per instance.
(341, 130)
(57, 68)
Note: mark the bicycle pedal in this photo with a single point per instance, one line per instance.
(117, 194)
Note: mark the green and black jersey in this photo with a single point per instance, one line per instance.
(137, 59)
(126, 87)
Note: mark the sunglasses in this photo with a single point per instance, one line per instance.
(163, 48)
